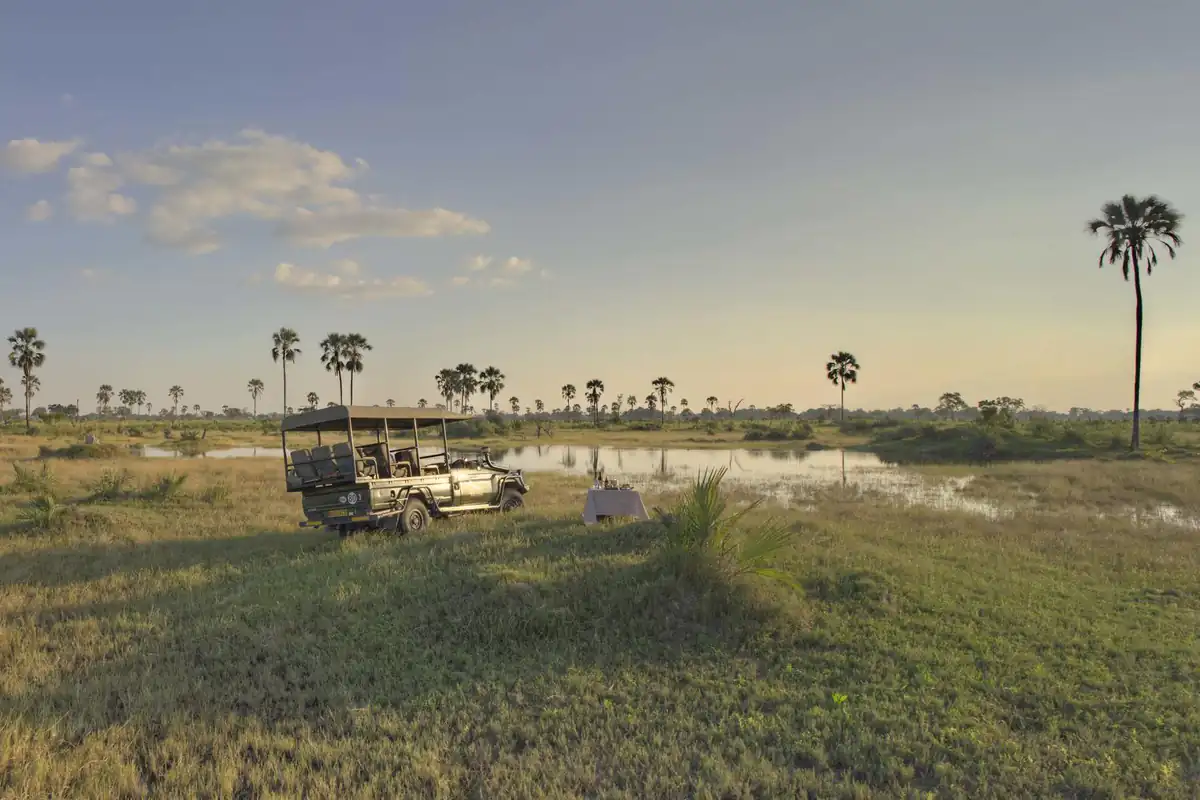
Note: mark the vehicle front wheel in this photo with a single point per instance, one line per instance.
(511, 500)
(415, 516)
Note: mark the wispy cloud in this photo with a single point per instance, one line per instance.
(346, 279)
(39, 211)
(480, 272)
(301, 190)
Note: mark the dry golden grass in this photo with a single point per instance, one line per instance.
(194, 642)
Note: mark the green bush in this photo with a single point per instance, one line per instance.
(111, 485)
(709, 538)
(27, 480)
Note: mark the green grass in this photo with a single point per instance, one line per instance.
(184, 648)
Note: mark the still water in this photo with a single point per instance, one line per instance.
(787, 476)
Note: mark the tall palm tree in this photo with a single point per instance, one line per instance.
(354, 347)
(332, 347)
(422, 403)
(842, 369)
(595, 388)
(5, 399)
(514, 403)
(491, 382)
(568, 393)
(196, 408)
(256, 387)
(391, 403)
(28, 353)
(468, 383)
(447, 385)
(711, 401)
(632, 400)
(1132, 228)
(539, 406)
(175, 392)
(312, 399)
(663, 386)
(651, 401)
(139, 397)
(104, 396)
(284, 351)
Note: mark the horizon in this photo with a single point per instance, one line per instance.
(722, 195)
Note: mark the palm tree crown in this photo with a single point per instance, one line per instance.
(491, 381)
(332, 348)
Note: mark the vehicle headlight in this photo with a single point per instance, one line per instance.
(352, 498)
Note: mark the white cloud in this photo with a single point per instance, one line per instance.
(299, 187)
(517, 266)
(324, 228)
(39, 211)
(92, 194)
(511, 270)
(348, 282)
(30, 155)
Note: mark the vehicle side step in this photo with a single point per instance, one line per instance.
(474, 507)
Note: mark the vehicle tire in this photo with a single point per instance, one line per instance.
(343, 531)
(511, 500)
(415, 516)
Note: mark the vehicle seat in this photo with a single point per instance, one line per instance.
(322, 461)
(409, 459)
(303, 467)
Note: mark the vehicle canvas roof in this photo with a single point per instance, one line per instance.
(369, 418)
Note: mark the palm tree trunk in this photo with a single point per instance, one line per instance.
(341, 397)
(843, 419)
(351, 387)
(1137, 357)
(284, 388)
(28, 424)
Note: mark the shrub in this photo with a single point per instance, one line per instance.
(708, 536)
(31, 481)
(43, 513)
(1161, 435)
(710, 428)
(1043, 428)
(111, 485)
(189, 435)
(166, 487)
(134, 432)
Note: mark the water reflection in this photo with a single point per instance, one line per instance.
(226, 452)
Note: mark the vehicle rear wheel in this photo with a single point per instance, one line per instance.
(343, 531)
(511, 500)
(415, 516)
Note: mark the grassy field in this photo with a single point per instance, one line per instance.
(160, 637)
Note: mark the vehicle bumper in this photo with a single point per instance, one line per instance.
(333, 522)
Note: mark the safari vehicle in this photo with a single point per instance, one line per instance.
(381, 477)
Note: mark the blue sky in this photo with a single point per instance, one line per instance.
(722, 193)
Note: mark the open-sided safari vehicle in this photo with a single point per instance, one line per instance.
(380, 477)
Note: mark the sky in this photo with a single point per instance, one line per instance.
(721, 193)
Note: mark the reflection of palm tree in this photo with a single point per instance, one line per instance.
(568, 459)
(595, 458)
(662, 467)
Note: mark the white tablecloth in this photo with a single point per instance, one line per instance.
(613, 503)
